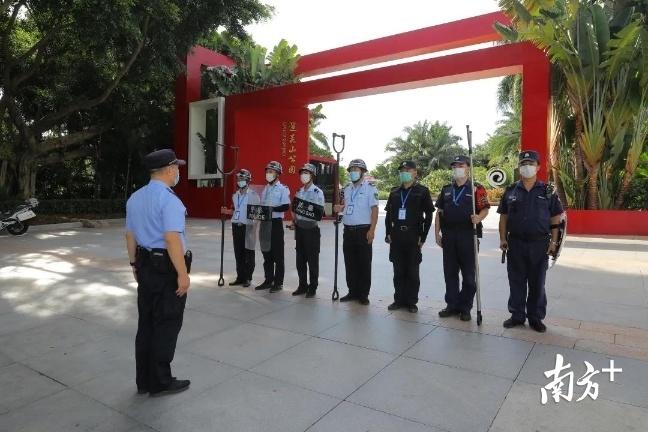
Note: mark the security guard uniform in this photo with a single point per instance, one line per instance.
(528, 230)
(407, 223)
(307, 241)
(152, 211)
(240, 227)
(359, 200)
(455, 207)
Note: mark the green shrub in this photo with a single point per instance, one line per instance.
(637, 197)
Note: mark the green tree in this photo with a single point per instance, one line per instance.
(317, 142)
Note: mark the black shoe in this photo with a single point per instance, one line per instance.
(310, 293)
(465, 316)
(176, 386)
(363, 301)
(394, 306)
(142, 390)
(447, 312)
(264, 285)
(276, 288)
(347, 298)
(299, 291)
(236, 282)
(412, 308)
(247, 283)
(537, 325)
(512, 322)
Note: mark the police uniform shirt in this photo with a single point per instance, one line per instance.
(313, 194)
(276, 195)
(411, 204)
(455, 202)
(358, 202)
(240, 202)
(153, 210)
(529, 212)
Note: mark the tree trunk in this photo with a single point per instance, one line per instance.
(623, 190)
(26, 178)
(559, 186)
(592, 187)
(4, 166)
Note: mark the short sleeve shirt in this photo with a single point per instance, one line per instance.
(240, 202)
(274, 196)
(529, 212)
(358, 203)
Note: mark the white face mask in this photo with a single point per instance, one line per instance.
(305, 178)
(270, 177)
(459, 173)
(176, 179)
(528, 171)
(241, 183)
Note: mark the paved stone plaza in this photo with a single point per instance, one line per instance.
(272, 362)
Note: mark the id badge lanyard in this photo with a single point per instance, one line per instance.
(402, 211)
(457, 196)
(239, 200)
(354, 193)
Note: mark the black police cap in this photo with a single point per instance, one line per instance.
(407, 165)
(161, 159)
(460, 159)
(529, 155)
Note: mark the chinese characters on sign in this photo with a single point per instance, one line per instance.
(559, 382)
(289, 144)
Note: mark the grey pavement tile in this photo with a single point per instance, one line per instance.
(378, 332)
(245, 345)
(452, 399)
(62, 332)
(5, 360)
(629, 386)
(80, 363)
(12, 322)
(523, 411)
(305, 319)
(197, 324)
(352, 417)
(118, 390)
(64, 412)
(329, 367)
(232, 305)
(22, 386)
(248, 403)
(474, 351)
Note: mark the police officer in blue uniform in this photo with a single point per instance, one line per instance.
(157, 248)
(530, 212)
(276, 196)
(454, 233)
(360, 216)
(407, 223)
(243, 228)
(307, 234)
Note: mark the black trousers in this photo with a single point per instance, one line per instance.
(273, 260)
(160, 320)
(459, 255)
(406, 257)
(244, 257)
(357, 260)
(527, 264)
(307, 247)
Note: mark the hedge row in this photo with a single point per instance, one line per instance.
(73, 206)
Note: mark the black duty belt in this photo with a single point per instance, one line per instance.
(236, 224)
(160, 259)
(456, 225)
(530, 237)
(405, 227)
(356, 227)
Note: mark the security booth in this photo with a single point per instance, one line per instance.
(326, 180)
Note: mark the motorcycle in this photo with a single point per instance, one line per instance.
(15, 222)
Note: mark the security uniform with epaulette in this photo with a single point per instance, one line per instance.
(407, 222)
(307, 234)
(454, 223)
(152, 212)
(527, 239)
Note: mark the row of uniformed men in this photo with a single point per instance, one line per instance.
(527, 217)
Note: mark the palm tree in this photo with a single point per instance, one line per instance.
(316, 138)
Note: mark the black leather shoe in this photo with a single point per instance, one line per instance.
(447, 312)
(142, 390)
(465, 316)
(347, 298)
(247, 283)
(537, 325)
(299, 291)
(276, 288)
(310, 294)
(264, 285)
(363, 301)
(236, 282)
(412, 308)
(394, 306)
(512, 322)
(176, 386)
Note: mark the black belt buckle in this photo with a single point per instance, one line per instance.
(403, 228)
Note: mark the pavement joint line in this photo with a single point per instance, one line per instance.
(434, 426)
(323, 415)
(503, 401)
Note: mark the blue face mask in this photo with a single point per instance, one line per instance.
(405, 177)
(176, 180)
(241, 183)
(355, 176)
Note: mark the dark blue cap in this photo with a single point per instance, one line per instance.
(529, 155)
(407, 165)
(460, 159)
(161, 158)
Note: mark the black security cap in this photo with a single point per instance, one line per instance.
(161, 159)
(460, 159)
(529, 155)
(407, 165)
